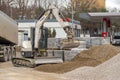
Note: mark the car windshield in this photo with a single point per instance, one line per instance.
(116, 37)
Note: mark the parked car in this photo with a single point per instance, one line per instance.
(116, 40)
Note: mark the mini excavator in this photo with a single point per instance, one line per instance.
(32, 51)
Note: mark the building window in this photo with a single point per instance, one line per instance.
(25, 36)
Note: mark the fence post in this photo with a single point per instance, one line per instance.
(63, 55)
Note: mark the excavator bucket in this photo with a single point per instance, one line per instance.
(26, 62)
(66, 44)
(70, 45)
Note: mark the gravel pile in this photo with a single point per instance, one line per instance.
(108, 70)
(92, 57)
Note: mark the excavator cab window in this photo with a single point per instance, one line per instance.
(43, 39)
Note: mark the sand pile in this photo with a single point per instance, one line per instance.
(108, 70)
(92, 57)
(65, 67)
(98, 53)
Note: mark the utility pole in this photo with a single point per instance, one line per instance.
(72, 15)
(11, 12)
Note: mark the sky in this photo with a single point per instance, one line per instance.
(113, 4)
(110, 4)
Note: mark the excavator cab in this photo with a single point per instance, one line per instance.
(42, 44)
(28, 50)
(43, 41)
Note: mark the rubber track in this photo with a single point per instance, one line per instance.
(21, 62)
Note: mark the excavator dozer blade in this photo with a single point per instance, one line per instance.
(25, 62)
(48, 60)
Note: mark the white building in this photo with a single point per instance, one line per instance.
(24, 27)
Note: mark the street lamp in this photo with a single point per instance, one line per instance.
(12, 5)
(11, 9)
(72, 15)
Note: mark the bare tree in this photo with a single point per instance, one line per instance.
(5, 6)
(22, 5)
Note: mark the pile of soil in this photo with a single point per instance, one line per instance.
(92, 57)
(66, 66)
(98, 53)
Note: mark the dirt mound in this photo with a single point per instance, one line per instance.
(92, 57)
(66, 66)
(99, 53)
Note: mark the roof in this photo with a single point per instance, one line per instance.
(104, 14)
(26, 20)
(98, 17)
(48, 20)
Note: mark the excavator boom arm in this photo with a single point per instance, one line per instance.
(39, 25)
(55, 11)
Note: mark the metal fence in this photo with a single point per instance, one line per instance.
(93, 41)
